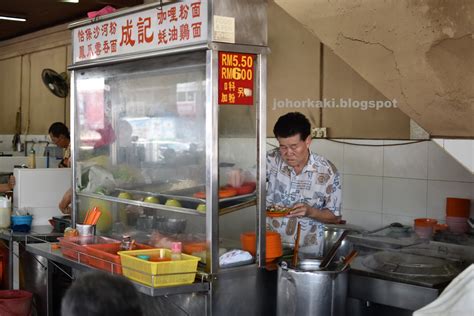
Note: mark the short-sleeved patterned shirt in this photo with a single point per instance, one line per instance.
(318, 185)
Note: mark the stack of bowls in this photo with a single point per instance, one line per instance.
(457, 214)
(424, 227)
(274, 247)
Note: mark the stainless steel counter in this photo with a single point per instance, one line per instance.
(55, 255)
(37, 233)
(389, 271)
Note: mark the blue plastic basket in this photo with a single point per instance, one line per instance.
(21, 223)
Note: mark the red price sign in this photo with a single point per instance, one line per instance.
(236, 76)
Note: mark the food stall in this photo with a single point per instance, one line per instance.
(168, 143)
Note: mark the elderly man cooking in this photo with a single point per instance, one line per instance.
(302, 181)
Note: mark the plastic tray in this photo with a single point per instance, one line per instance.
(73, 247)
(158, 274)
(105, 257)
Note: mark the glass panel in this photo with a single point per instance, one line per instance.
(237, 170)
(140, 137)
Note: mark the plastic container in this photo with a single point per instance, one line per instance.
(197, 248)
(126, 243)
(21, 223)
(176, 250)
(157, 274)
(457, 225)
(440, 227)
(457, 207)
(105, 256)
(15, 303)
(424, 227)
(32, 159)
(73, 247)
(5, 212)
(273, 248)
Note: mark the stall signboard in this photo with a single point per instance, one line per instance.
(172, 25)
(236, 78)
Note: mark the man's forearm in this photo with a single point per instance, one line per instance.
(324, 216)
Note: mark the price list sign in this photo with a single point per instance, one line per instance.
(236, 78)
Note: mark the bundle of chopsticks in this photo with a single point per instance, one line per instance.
(92, 216)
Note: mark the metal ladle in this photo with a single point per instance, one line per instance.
(385, 227)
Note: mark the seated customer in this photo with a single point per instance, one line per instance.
(101, 294)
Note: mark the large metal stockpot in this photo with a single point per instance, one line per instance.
(303, 291)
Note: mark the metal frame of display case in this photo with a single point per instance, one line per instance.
(251, 39)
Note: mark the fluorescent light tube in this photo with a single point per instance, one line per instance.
(13, 18)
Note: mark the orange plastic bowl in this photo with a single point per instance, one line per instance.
(274, 247)
(193, 247)
(425, 222)
(248, 241)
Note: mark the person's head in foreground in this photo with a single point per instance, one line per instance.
(101, 294)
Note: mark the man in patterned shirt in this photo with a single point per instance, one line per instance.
(302, 181)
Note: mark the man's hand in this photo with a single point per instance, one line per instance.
(300, 209)
(321, 215)
(65, 203)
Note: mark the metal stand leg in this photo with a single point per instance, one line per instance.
(16, 265)
(49, 290)
(10, 262)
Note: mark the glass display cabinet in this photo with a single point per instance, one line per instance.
(168, 128)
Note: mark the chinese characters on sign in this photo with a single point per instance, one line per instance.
(236, 78)
(172, 25)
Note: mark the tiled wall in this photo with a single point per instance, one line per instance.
(461, 149)
(396, 183)
(387, 182)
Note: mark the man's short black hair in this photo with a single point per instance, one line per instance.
(101, 294)
(292, 124)
(57, 129)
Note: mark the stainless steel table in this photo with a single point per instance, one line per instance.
(181, 294)
(37, 233)
(56, 255)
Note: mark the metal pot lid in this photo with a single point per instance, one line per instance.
(404, 264)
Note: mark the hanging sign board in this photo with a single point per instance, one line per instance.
(236, 78)
(173, 25)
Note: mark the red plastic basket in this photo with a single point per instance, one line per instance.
(73, 247)
(105, 257)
